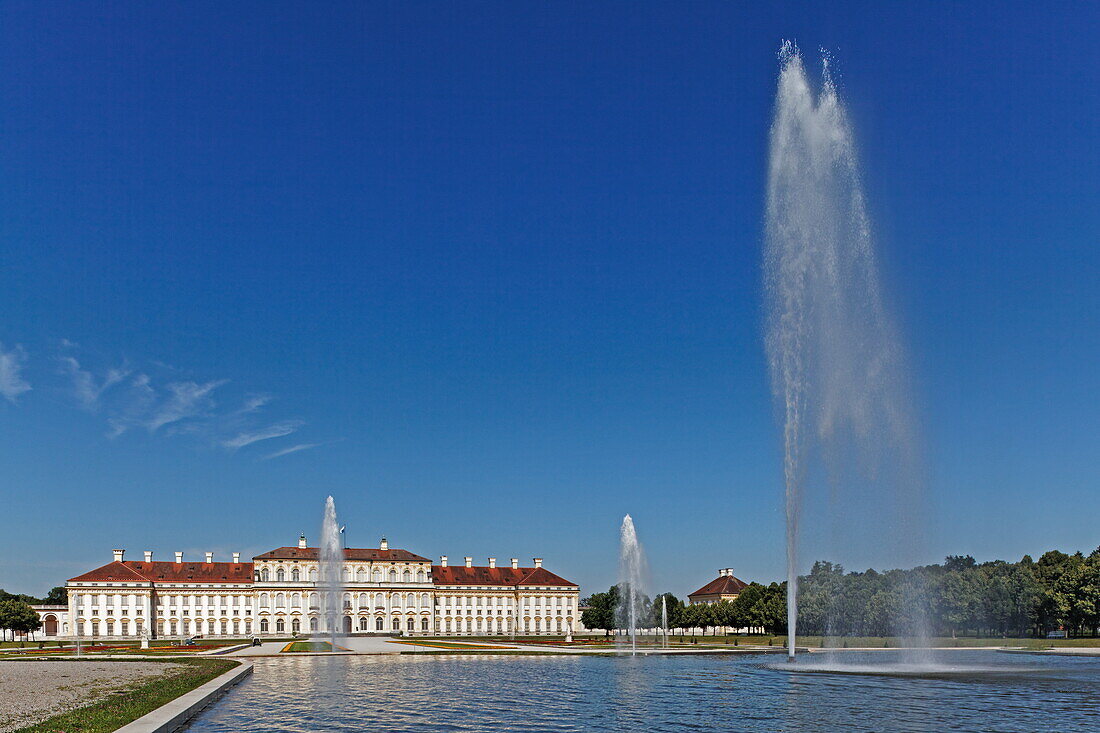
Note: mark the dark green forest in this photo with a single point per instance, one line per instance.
(960, 597)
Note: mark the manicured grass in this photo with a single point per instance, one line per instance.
(122, 708)
(877, 642)
(442, 644)
(308, 646)
(482, 652)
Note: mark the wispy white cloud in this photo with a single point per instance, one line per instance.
(155, 397)
(87, 388)
(252, 403)
(185, 400)
(12, 383)
(291, 449)
(275, 430)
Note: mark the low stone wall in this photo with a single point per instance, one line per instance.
(177, 713)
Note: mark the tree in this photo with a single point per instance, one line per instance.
(674, 608)
(600, 613)
(771, 609)
(57, 596)
(18, 617)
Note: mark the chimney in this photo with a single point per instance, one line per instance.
(383, 545)
(721, 572)
(301, 542)
(515, 563)
(148, 556)
(236, 557)
(729, 572)
(209, 557)
(179, 557)
(118, 555)
(538, 562)
(442, 561)
(469, 562)
(492, 562)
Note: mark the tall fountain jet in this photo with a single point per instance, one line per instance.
(630, 608)
(664, 619)
(834, 356)
(331, 566)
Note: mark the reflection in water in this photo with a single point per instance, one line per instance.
(652, 693)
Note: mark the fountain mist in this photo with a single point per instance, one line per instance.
(630, 608)
(835, 360)
(331, 563)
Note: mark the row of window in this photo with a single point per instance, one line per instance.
(295, 575)
(199, 626)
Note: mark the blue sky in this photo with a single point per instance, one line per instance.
(490, 275)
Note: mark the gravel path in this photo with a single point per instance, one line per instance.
(34, 691)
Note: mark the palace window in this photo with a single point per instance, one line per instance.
(393, 575)
(420, 577)
(406, 576)
(265, 575)
(411, 624)
(280, 575)
(313, 624)
(424, 624)
(110, 628)
(361, 576)
(396, 624)
(296, 600)
(295, 626)
(377, 575)
(296, 575)
(313, 575)
(263, 626)
(280, 624)
(280, 600)
(225, 628)
(172, 628)
(236, 627)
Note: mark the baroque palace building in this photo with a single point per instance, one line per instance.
(384, 591)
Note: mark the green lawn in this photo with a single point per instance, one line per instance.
(120, 709)
(892, 641)
(308, 646)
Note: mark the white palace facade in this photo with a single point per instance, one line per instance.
(384, 591)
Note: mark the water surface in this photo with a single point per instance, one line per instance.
(673, 693)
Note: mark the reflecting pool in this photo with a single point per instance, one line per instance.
(657, 693)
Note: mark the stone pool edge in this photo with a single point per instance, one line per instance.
(176, 714)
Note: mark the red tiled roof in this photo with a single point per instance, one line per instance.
(351, 553)
(722, 585)
(169, 572)
(481, 575)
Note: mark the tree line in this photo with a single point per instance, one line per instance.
(762, 607)
(1058, 592)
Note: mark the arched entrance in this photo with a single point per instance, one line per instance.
(49, 625)
(347, 624)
